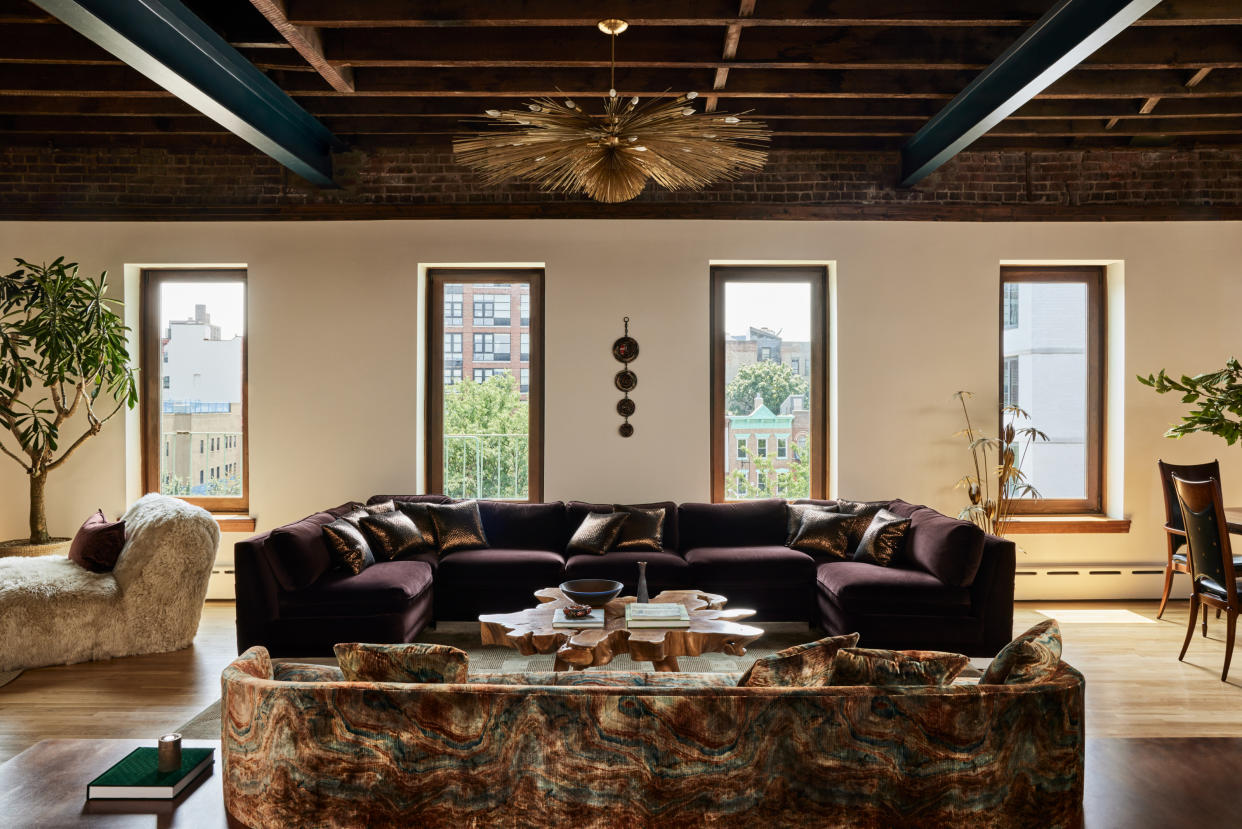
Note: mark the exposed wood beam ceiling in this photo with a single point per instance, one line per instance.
(851, 74)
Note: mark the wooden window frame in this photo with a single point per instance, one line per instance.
(817, 277)
(1092, 276)
(151, 365)
(434, 445)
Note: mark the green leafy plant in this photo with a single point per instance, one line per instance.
(998, 480)
(768, 379)
(1217, 396)
(796, 483)
(59, 338)
(486, 439)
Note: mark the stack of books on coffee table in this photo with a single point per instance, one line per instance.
(656, 615)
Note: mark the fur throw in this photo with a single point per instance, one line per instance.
(53, 612)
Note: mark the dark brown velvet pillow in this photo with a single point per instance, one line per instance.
(420, 513)
(458, 526)
(597, 532)
(349, 548)
(412, 662)
(883, 539)
(831, 535)
(642, 530)
(804, 665)
(795, 513)
(390, 534)
(97, 544)
(868, 666)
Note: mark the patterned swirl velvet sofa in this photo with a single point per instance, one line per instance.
(302, 747)
(951, 588)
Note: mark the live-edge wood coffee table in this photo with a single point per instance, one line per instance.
(713, 629)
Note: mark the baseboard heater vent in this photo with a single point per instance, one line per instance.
(220, 586)
(1120, 581)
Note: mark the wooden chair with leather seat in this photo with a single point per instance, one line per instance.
(1175, 535)
(1213, 578)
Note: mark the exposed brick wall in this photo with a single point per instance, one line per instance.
(112, 182)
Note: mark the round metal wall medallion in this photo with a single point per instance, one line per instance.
(625, 407)
(625, 380)
(625, 349)
(626, 430)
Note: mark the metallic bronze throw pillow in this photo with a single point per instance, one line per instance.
(827, 535)
(349, 548)
(420, 513)
(795, 513)
(596, 532)
(867, 508)
(883, 539)
(642, 530)
(389, 534)
(458, 526)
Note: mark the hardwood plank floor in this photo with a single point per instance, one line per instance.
(1135, 685)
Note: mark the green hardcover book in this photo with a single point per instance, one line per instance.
(136, 776)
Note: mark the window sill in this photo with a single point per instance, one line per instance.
(1066, 524)
(235, 523)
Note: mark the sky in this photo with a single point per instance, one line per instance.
(780, 306)
(225, 303)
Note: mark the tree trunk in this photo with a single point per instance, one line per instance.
(38, 515)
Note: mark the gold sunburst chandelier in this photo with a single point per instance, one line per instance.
(610, 157)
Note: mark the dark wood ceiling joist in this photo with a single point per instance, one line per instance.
(307, 41)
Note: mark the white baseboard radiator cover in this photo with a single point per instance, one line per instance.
(1096, 581)
(221, 585)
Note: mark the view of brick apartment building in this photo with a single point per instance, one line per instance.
(487, 332)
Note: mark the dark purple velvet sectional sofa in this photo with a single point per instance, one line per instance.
(951, 589)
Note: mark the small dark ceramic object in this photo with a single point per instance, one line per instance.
(578, 611)
(625, 407)
(593, 592)
(626, 380)
(626, 430)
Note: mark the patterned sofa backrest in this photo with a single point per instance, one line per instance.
(648, 756)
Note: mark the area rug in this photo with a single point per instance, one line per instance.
(8, 676)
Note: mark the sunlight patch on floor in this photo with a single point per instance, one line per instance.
(1097, 617)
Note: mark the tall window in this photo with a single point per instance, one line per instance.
(1052, 367)
(485, 406)
(758, 314)
(194, 408)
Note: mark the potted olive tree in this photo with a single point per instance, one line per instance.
(62, 354)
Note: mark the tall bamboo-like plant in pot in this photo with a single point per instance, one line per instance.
(998, 479)
(63, 353)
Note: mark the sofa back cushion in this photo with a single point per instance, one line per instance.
(759, 523)
(948, 548)
(297, 552)
(517, 526)
(410, 499)
(868, 666)
(575, 511)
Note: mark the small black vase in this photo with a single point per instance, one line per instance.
(642, 582)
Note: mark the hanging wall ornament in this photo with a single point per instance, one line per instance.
(625, 349)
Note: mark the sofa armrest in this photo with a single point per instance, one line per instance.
(256, 590)
(991, 594)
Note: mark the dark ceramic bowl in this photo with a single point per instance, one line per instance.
(595, 592)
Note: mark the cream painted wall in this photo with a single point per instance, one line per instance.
(335, 341)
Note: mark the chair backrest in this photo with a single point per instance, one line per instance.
(1207, 535)
(1187, 472)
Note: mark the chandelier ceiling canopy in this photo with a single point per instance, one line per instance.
(611, 156)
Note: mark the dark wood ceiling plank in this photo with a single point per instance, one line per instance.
(1197, 77)
(733, 35)
(170, 46)
(308, 43)
(569, 13)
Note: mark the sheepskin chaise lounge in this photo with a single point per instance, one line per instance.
(54, 612)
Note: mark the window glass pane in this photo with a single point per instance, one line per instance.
(1045, 373)
(486, 391)
(201, 344)
(767, 332)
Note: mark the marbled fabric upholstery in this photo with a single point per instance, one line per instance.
(807, 665)
(1028, 658)
(868, 666)
(333, 754)
(411, 662)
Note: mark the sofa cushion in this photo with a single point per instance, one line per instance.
(420, 514)
(415, 662)
(349, 548)
(410, 499)
(755, 565)
(948, 548)
(665, 569)
(458, 526)
(883, 539)
(758, 523)
(575, 511)
(297, 553)
(857, 587)
(499, 565)
(391, 534)
(596, 533)
(1030, 657)
(643, 529)
(801, 665)
(97, 544)
(524, 526)
(385, 587)
(868, 666)
(829, 535)
(794, 513)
